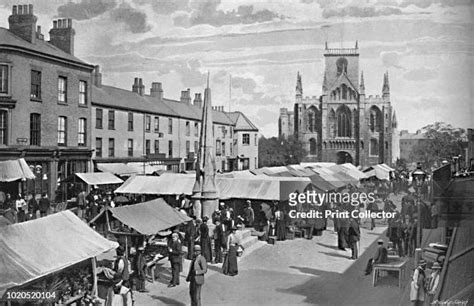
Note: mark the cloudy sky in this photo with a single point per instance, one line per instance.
(425, 45)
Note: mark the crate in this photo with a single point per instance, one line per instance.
(272, 239)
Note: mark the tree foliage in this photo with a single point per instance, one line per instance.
(443, 142)
(279, 152)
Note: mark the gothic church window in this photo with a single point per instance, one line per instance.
(375, 119)
(344, 122)
(341, 65)
(312, 146)
(332, 124)
(374, 148)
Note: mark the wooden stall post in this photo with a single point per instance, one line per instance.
(94, 276)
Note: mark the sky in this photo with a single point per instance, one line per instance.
(425, 45)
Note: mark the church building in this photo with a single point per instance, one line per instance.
(343, 124)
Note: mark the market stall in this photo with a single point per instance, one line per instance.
(138, 223)
(66, 261)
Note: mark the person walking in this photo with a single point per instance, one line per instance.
(197, 270)
(175, 250)
(32, 207)
(139, 267)
(190, 237)
(417, 287)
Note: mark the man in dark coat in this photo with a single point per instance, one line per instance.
(44, 205)
(342, 233)
(190, 237)
(249, 216)
(139, 267)
(197, 270)
(206, 247)
(381, 256)
(32, 206)
(395, 234)
(219, 240)
(174, 251)
(354, 237)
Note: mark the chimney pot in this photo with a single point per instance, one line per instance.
(38, 29)
(20, 9)
(30, 9)
(55, 24)
(22, 22)
(14, 10)
(25, 9)
(69, 22)
(97, 76)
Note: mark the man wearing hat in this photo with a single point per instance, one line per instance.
(249, 215)
(139, 267)
(197, 269)
(433, 280)
(417, 287)
(174, 251)
(381, 256)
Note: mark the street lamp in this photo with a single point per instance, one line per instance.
(418, 177)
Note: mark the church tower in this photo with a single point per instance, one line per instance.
(340, 105)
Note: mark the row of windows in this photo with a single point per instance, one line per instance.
(148, 121)
(111, 147)
(35, 130)
(36, 86)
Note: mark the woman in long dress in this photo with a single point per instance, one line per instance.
(229, 266)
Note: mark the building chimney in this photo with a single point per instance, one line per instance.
(135, 85)
(62, 35)
(22, 22)
(141, 87)
(39, 35)
(97, 76)
(186, 96)
(156, 90)
(197, 100)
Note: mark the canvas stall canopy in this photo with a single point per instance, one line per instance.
(121, 169)
(37, 248)
(149, 218)
(166, 184)
(258, 187)
(380, 171)
(13, 170)
(99, 178)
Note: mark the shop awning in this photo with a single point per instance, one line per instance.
(149, 218)
(99, 178)
(37, 248)
(12, 170)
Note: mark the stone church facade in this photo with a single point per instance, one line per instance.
(343, 124)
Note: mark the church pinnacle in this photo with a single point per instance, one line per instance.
(299, 86)
(362, 84)
(386, 85)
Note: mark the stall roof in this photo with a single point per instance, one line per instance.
(166, 184)
(99, 178)
(381, 171)
(118, 168)
(149, 218)
(257, 187)
(12, 170)
(37, 248)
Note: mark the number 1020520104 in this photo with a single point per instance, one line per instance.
(29, 295)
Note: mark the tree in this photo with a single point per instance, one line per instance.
(279, 152)
(443, 142)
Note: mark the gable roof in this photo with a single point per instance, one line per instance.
(242, 123)
(341, 79)
(40, 47)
